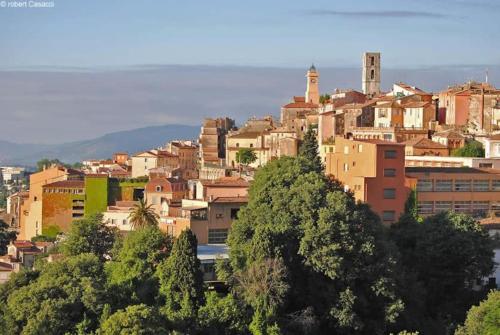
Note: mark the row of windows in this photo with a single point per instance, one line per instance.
(63, 190)
(234, 214)
(217, 236)
(476, 208)
(457, 185)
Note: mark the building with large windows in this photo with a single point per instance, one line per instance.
(460, 189)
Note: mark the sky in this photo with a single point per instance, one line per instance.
(85, 68)
(89, 33)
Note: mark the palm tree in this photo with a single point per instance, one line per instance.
(143, 215)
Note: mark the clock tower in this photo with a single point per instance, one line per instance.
(312, 92)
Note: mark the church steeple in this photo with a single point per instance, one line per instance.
(312, 91)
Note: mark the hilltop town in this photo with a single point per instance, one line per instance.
(441, 149)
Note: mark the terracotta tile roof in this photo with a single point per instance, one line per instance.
(412, 89)
(424, 143)
(249, 135)
(66, 184)
(164, 182)
(449, 134)
(6, 267)
(226, 182)
(416, 104)
(300, 102)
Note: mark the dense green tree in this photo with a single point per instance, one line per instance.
(89, 235)
(483, 319)
(336, 255)
(444, 256)
(134, 320)
(324, 98)
(6, 236)
(181, 282)
(470, 149)
(59, 299)
(263, 286)
(135, 259)
(309, 150)
(222, 315)
(245, 157)
(143, 215)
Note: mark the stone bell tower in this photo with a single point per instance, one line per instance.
(371, 73)
(312, 91)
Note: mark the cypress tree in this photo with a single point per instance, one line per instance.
(309, 151)
(181, 282)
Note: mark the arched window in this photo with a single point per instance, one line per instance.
(372, 74)
(372, 60)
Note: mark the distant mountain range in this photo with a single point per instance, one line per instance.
(102, 147)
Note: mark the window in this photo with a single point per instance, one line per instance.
(234, 213)
(388, 215)
(346, 167)
(462, 206)
(443, 206)
(124, 222)
(390, 154)
(360, 148)
(486, 165)
(158, 188)
(237, 145)
(387, 137)
(217, 236)
(462, 185)
(424, 185)
(495, 185)
(219, 216)
(372, 74)
(251, 145)
(444, 185)
(77, 215)
(425, 207)
(372, 61)
(346, 149)
(481, 185)
(480, 208)
(389, 172)
(389, 193)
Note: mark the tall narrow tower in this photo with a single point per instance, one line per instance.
(371, 73)
(312, 92)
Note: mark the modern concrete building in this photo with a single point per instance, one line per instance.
(464, 190)
(443, 161)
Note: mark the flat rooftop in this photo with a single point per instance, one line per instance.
(462, 169)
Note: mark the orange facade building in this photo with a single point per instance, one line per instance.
(374, 171)
(466, 190)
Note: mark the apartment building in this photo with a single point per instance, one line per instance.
(374, 171)
(466, 190)
(144, 161)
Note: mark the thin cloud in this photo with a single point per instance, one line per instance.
(378, 14)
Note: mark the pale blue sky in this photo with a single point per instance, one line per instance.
(409, 33)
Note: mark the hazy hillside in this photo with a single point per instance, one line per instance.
(101, 147)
